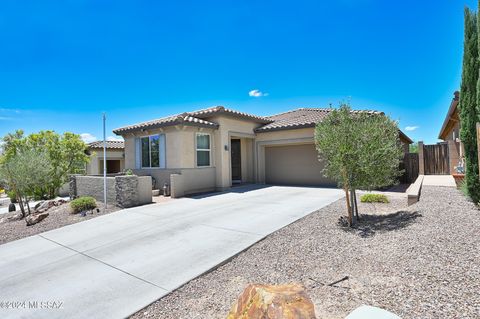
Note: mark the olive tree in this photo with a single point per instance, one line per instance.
(360, 150)
(65, 153)
(25, 171)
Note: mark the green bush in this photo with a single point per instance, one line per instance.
(12, 195)
(464, 188)
(82, 204)
(374, 198)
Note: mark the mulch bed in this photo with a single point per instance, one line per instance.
(58, 217)
(418, 262)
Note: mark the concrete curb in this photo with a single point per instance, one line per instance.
(413, 192)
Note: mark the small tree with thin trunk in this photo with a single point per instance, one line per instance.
(360, 150)
(25, 171)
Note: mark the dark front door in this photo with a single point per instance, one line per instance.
(235, 153)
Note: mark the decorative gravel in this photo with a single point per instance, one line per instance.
(58, 217)
(418, 262)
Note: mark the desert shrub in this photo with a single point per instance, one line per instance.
(463, 187)
(82, 204)
(374, 198)
(12, 195)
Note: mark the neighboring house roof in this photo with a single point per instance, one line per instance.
(110, 145)
(452, 117)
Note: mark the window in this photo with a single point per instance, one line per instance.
(150, 151)
(203, 149)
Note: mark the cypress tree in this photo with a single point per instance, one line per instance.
(469, 98)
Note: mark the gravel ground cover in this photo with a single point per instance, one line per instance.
(58, 217)
(418, 262)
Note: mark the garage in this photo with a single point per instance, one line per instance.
(294, 165)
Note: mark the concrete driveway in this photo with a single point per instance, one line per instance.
(114, 265)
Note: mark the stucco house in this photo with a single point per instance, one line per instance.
(115, 157)
(215, 148)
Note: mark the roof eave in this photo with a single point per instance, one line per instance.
(283, 128)
(121, 131)
(451, 110)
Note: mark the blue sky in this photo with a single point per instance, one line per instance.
(66, 62)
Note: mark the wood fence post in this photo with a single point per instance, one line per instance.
(421, 163)
(478, 146)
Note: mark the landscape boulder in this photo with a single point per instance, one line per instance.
(35, 218)
(43, 206)
(273, 302)
(14, 217)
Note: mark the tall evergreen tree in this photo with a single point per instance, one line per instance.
(469, 98)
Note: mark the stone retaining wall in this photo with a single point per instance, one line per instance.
(123, 191)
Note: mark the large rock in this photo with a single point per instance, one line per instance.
(14, 217)
(43, 206)
(35, 218)
(273, 302)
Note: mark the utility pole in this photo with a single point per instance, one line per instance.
(104, 166)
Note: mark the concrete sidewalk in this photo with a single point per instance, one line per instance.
(114, 265)
(439, 180)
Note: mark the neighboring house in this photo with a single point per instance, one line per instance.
(214, 148)
(115, 157)
(450, 133)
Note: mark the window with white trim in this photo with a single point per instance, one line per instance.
(203, 149)
(150, 148)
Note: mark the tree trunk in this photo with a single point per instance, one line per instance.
(356, 204)
(349, 209)
(28, 206)
(20, 204)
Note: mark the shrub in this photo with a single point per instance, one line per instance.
(374, 198)
(464, 188)
(12, 195)
(82, 204)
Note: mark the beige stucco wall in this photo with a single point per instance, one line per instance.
(191, 181)
(96, 160)
(232, 128)
(180, 153)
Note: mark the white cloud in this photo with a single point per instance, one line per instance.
(257, 93)
(411, 128)
(7, 110)
(88, 138)
(115, 138)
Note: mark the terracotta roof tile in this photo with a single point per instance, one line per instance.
(184, 118)
(222, 110)
(110, 144)
(195, 118)
(302, 117)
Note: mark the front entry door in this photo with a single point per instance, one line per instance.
(235, 153)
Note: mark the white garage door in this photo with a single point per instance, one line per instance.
(294, 165)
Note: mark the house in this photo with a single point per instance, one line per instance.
(450, 133)
(115, 157)
(214, 148)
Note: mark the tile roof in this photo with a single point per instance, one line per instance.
(110, 144)
(222, 110)
(184, 118)
(195, 118)
(302, 117)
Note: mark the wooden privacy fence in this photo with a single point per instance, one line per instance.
(410, 167)
(436, 159)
